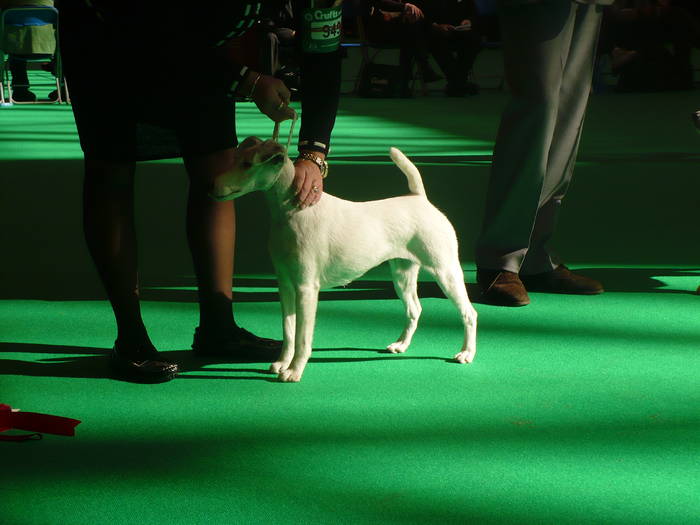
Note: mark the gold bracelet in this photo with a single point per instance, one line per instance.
(321, 163)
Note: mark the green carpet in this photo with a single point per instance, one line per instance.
(575, 410)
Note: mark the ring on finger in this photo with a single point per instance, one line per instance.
(314, 188)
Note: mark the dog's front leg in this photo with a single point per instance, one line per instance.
(288, 304)
(306, 305)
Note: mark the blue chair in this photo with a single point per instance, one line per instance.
(23, 17)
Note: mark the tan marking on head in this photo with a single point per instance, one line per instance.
(252, 169)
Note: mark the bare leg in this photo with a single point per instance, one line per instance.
(211, 233)
(108, 223)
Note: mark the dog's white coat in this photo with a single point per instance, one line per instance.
(336, 241)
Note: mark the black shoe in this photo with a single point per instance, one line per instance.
(238, 345)
(142, 366)
(22, 94)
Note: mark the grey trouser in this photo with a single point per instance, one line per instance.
(549, 50)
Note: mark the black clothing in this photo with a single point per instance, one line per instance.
(391, 6)
(454, 51)
(395, 32)
(449, 11)
(151, 80)
(662, 40)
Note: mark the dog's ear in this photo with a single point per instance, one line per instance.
(249, 142)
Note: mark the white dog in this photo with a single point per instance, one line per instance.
(336, 241)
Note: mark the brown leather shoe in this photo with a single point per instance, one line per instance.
(501, 288)
(562, 280)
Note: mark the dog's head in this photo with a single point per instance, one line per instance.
(256, 166)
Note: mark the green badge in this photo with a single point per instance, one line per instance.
(322, 29)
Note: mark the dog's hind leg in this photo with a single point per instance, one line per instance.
(287, 301)
(405, 275)
(451, 281)
(306, 305)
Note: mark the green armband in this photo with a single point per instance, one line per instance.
(322, 29)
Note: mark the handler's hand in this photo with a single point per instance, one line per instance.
(412, 13)
(308, 183)
(271, 97)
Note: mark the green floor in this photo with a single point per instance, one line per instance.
(576, 409)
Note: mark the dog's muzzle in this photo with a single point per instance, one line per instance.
(269, 153)
(276, 158)
(225, 197)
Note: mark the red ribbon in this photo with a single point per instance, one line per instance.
(34, 422)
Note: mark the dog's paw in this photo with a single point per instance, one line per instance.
(278, 366)
(397, 347)
(466, 356)
(289, 375)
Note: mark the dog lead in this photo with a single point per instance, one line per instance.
(276, 131)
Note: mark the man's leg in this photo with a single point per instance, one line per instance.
(682, 30)
(536, 39)
(441, 50)
(573, 101)
(467, 45)
(20, 81)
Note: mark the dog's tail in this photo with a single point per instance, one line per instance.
(415, 182)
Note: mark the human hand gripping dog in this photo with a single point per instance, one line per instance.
(272, 97)
(337, 241)
(308, 179)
